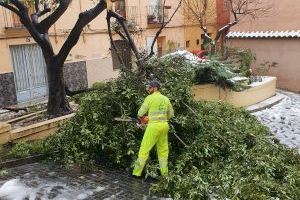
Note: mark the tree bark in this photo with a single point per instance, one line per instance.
(57, 101)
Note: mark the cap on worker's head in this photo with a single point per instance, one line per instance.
(154, 83)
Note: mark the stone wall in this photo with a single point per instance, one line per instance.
(7, 90)
(75, 75)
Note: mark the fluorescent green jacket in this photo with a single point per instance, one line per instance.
(158, 107)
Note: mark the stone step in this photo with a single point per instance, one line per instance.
(268, 103)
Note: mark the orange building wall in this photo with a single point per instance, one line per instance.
(283, 16)
(223, 14)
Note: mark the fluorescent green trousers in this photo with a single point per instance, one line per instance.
(156, 133)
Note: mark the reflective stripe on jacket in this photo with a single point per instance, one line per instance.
(158, 107)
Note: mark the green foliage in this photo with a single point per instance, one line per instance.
(3, 173)
(229, 155)
(92, 133)
(240, 60)
(218, 73)
(264, 68)
(24, 149)
(117, 27)
(231, 158)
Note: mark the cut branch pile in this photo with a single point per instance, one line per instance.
(229, 153)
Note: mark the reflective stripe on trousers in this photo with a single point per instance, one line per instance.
(155, 134)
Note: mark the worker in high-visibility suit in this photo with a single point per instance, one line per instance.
(159, 111)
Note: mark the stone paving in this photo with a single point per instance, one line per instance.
(40, 181)
(284, 119)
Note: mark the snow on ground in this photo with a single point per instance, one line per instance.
(284, 119)
(33, 187)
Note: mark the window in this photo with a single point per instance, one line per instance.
(197, 41)
(187, 44)
(121, 8)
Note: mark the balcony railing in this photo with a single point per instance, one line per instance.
(11, 20)
(157, 14)
(129, 13)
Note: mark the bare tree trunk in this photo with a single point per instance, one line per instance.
(57, 102)
(213, 48)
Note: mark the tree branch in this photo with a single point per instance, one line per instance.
(111, 39)
(224, 29)
(130, 41)
(38, 13)
(45, 24)
(121, 35)
(9, 7)
(163, 25)
(204, 29)
(83, 19)
(36, 5)
(25, 20)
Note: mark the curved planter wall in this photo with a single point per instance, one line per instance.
(257, 93)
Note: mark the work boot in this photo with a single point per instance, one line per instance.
(135, 177)
(150, 179)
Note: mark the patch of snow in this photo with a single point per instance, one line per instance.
(239, 78)
(14, 190)
(264, 80)
(284, 119)
(51, 173)
(19, 189)
(82, 196)
(188, 55)
(264, 34)
(99, 189)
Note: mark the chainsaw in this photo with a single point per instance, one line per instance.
(141, 123)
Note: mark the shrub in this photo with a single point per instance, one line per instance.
(24, 149)
(218, 73)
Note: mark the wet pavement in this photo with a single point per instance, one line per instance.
(40, 181)
(284, 119)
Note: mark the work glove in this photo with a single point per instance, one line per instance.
(144, 120)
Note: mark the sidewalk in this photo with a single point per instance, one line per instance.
(283, 119)
(43, 181)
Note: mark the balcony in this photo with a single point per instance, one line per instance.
(157, 14)
(11, 20)
(129, 13)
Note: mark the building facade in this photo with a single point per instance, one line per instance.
(274, 37)
(23, 74)
(217, 16)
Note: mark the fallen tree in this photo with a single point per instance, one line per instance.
(229, 154)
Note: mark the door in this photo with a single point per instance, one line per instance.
(29, 72)
(124, 52)
(149, 44)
